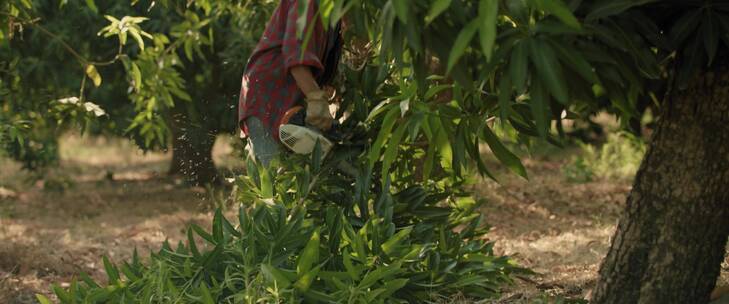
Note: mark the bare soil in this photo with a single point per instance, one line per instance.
(108, 198)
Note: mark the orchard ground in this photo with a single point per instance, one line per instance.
(108, 198)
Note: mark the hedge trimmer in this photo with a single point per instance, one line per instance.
(301, 138)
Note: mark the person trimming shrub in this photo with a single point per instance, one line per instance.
(290, 66)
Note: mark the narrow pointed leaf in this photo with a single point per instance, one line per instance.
(487, 12)
(310, 254)
(548, 69)
(505, 156)
(401, 9)
(93, 74)
(560, 10)
(437, 8)
(461, 44)
(518, 65)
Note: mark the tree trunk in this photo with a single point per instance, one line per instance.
(192, 148)
(671, 239)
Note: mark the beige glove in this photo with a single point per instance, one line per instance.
(317, 111)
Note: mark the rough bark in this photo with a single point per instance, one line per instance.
(671, 239)
(192, 148)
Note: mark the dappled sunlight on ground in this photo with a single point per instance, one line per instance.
(110, 201)
(107, 199)
(558, 229)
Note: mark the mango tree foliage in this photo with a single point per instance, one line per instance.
(142, 62)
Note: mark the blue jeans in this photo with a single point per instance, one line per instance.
(263, 146)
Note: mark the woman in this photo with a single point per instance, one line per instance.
(283, 71)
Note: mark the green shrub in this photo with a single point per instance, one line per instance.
(619, 157)
(311, 234)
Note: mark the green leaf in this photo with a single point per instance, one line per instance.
(111, 271)
(92, 6)
(218, 226)
(135, 34)
(549, 69)
(62, 295)
(518, 66)
(385, 128)
(504, 97)
(393, 286)
(352, 270)
(559, 9)
(401, 9)
(305, 280)
(42, 299)
(127, 271)
(391, 244)
(576, 61)
(273, 274)
(436, 9)
(316, 296)
(388, 19)
(207, 298)
(316, 157)
(461, 43)
(380, 273)
(607, 8)
(458, 144)
(88, 280)
(266, 182)
(429, 161)
(393, 146)
(93, 74)
(539, 102)
(136, 76)
(310, 254)
(487, 12)
(433, 90)
(203, 234)
(505, 156)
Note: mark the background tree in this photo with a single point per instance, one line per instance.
(181, 90)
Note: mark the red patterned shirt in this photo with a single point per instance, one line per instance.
(268, 90)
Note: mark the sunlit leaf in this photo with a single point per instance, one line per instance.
(136, 76)
(93, 74)
(309, 256)
(92, 6)
(42, 299)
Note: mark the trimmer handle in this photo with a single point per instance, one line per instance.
(297, 116)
